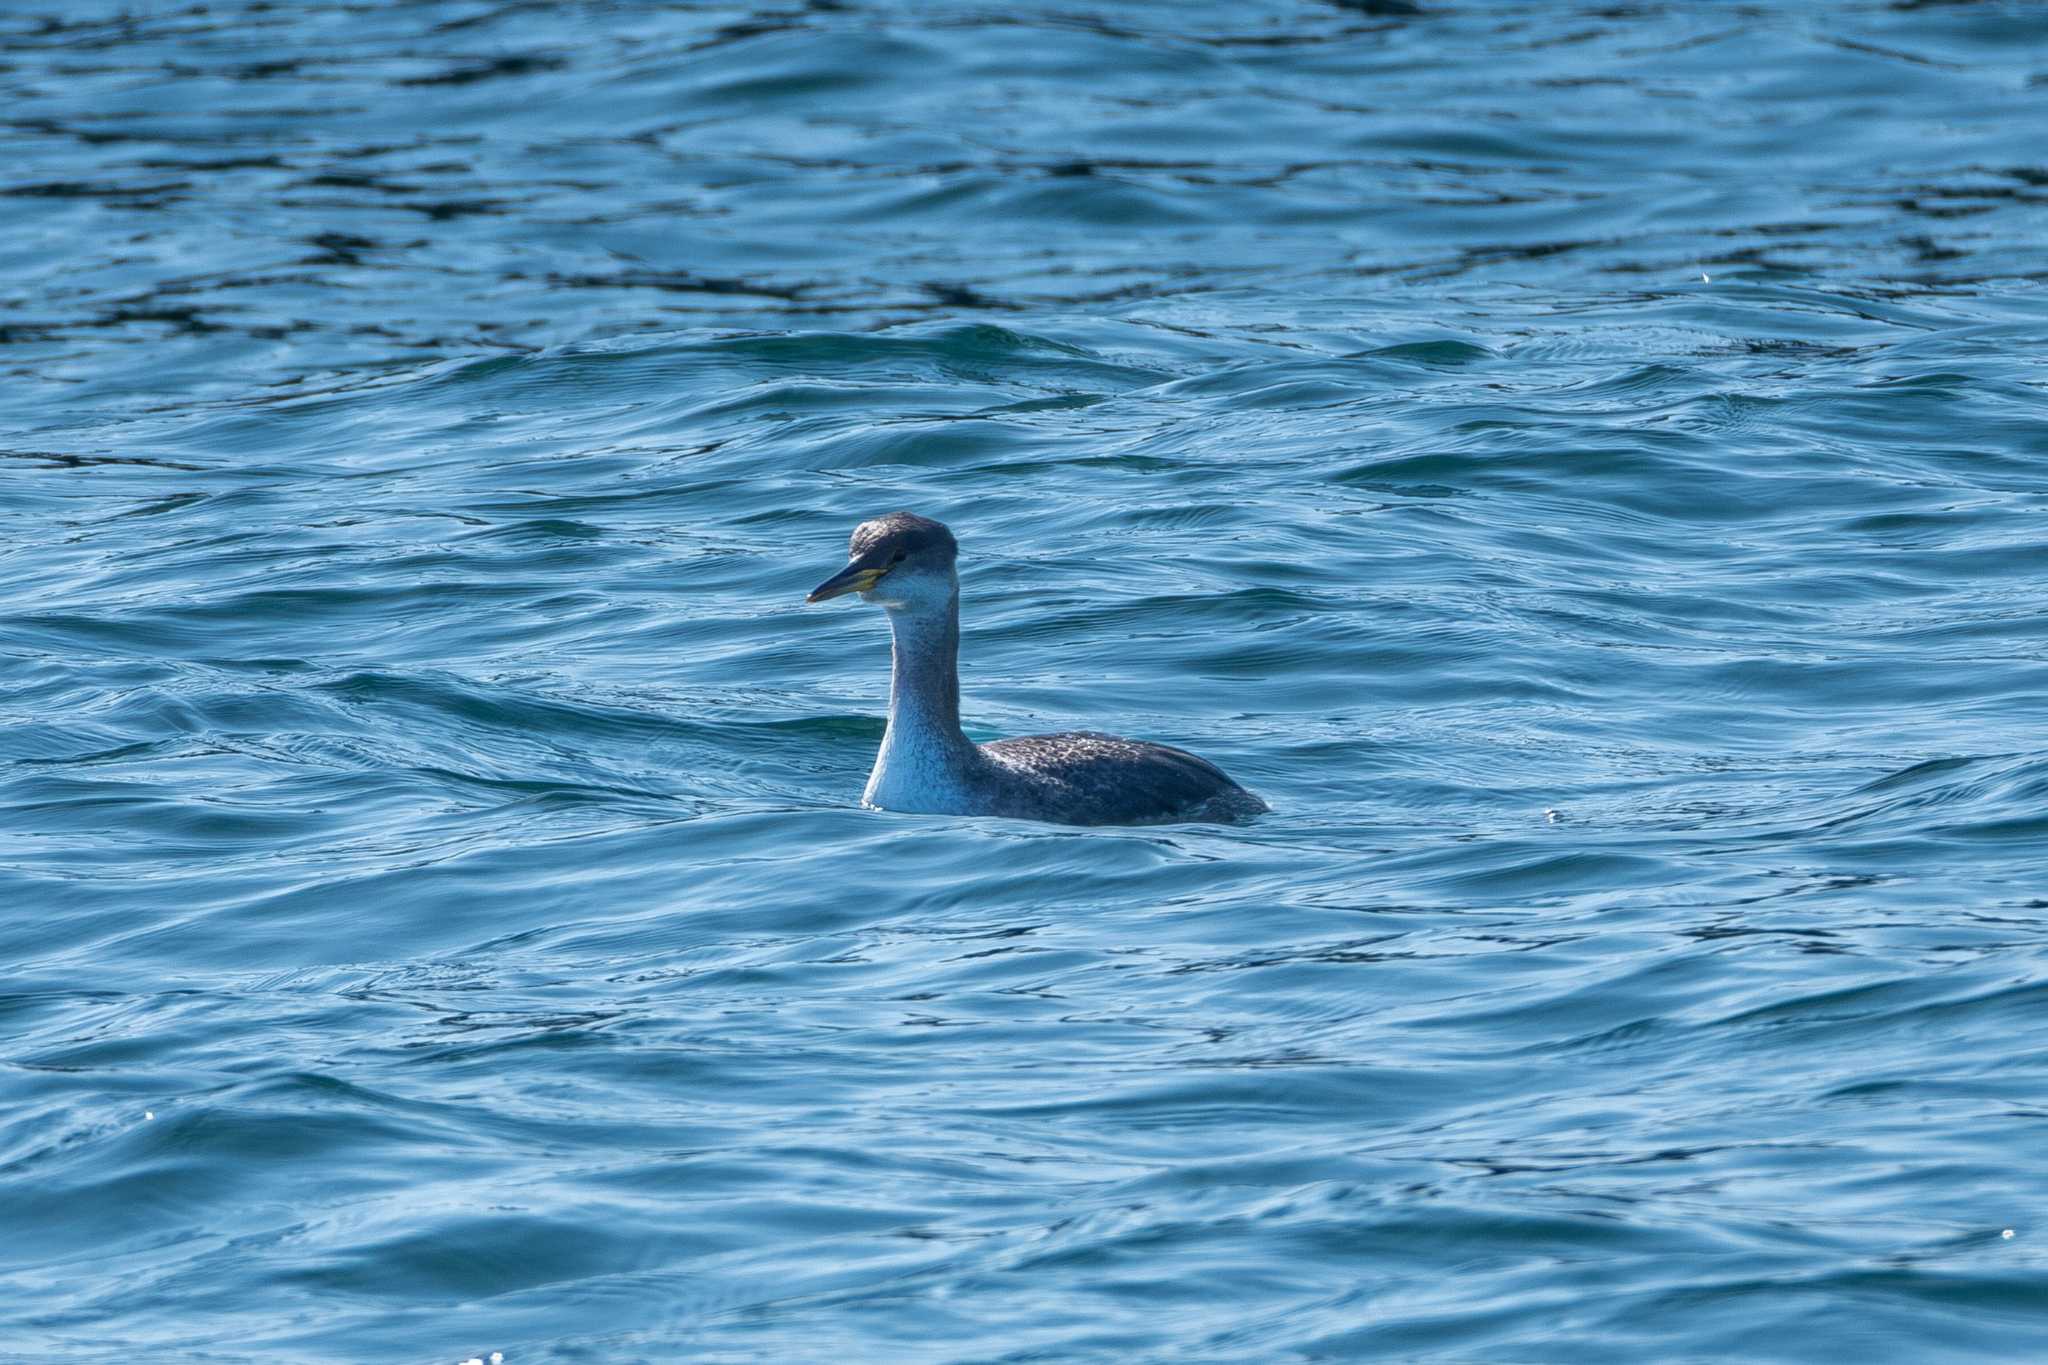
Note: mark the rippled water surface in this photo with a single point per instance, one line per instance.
(1585, 465)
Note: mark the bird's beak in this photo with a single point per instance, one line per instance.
(852, 578)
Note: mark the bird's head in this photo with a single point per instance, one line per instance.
(900, 561)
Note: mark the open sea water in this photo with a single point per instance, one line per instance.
(1585, 464)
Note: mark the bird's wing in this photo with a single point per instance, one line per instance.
(1145, 780)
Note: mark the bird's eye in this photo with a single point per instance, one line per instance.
(898, 559)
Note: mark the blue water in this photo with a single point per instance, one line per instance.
(1585, 465)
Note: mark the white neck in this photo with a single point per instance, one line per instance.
(925, 758)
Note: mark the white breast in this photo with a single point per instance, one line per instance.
(915, 772)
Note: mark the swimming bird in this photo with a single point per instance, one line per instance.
(904, 563)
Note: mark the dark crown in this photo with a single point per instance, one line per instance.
(900, 532)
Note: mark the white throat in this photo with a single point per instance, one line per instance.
(926, 761)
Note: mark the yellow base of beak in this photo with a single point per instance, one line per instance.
(848, 579)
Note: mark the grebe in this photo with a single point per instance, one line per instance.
(904, 563)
